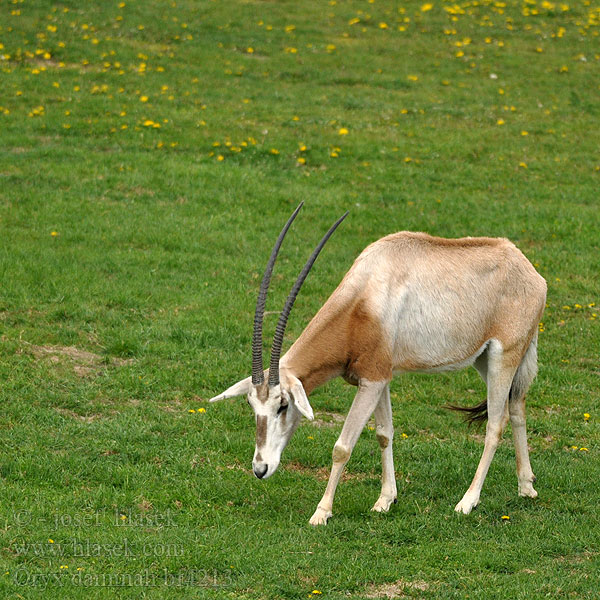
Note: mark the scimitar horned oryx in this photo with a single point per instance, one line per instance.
(410, 302)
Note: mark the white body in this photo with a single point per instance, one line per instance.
(411, 302)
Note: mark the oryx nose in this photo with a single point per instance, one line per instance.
(260, 470)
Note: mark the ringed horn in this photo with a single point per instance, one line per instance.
(257, 364)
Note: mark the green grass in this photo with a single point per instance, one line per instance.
(149, 154)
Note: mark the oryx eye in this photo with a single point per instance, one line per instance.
(282, 408)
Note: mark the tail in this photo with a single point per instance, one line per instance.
(474, 415)
(477, 415)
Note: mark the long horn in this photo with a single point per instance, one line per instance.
(257, 363)
(285, 313)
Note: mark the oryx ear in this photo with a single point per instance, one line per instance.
(241, 388)
(300, 398)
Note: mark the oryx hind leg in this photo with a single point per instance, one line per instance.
(501, 370)
(516, 405)
(384, 428)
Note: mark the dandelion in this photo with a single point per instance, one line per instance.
(505, 518)
(523, 165)
(426, 7)
(191, 410)
(383, 25)
(143, 98)
(343, 131)
(201, 410)
(500, 122)
(586, 416)
(274, 151)
(301, 160)
(54, 233)
(413, 78)
(583, 450)
(220, 157)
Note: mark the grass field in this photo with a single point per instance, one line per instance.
(149, 154)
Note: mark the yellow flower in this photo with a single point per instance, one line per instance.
(201, 410)
(586, 416)
(413, 78)
(523, 165)
(250, 50)
(426, 7)
(143, 98)
(500, 122)
(301, 161)
(506, 517)
(383, 25)
(343, 131)
(524, 132)
(274, 151)
(220, 157)
(54, 233)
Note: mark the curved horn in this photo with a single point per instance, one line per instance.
(285, 313)
(257, 363)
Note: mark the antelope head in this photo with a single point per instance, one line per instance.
(276, 396)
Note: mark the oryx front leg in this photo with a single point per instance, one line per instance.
(384, 428)
(499, 379)
(365, 401)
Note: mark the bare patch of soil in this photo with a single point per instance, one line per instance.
(84, 363)
(73, 415)
(322, 473)
(328, 419)
(395, 589)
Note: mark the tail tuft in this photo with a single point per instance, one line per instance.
(474, 415)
